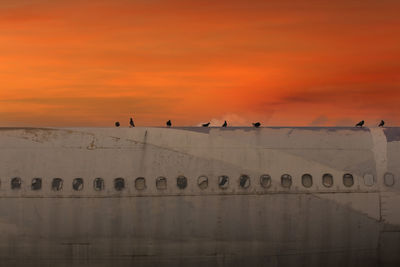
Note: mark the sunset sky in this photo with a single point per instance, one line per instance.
(281, 62)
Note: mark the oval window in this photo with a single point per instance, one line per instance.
(306, 180)
(16, 183)
(119, 184)
(388, 179)
(286, 181)
(348, 180)
(98, 184)
(223, 181)
(161, 183)
(140, 183)
(57, 184)
(265, 180)
(36, 184)
(202, 181)
(181, 182)
(327, 180)
(369, 179)
(77, 184)
(244, 181)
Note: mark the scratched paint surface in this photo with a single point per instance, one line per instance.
(145, 225)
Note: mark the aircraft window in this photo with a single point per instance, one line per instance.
(348, 180)
(57, 184)
(223, 181)
(327, 180)
(369, 179)
(265, 180)
(306, 180)
(36, 184)
(388, 179)
(286, 180)
(140, 183)
(77, 184)
(244, 181)
(98, 184)
(202, 181)
(161, 183)
(16, 183)
(119, 184)
(181, 182)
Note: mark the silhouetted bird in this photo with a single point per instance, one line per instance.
(169, 123)
(360, 124)
(257, 124)
(381, 124)
(205, 124)
(225, 124)
(117, 124)
(131, 123)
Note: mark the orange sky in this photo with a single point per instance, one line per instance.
(281, 62)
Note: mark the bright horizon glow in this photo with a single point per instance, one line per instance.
(283, 63)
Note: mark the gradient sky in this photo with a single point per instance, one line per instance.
(90, 63)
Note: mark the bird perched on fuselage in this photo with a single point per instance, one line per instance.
(360, 124)
(205, 124)
(256, 124)
(117, 124)
(381, 124)
(225, 124)
(169, 124)
(131, 123)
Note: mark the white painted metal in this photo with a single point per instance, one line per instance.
(252, 219)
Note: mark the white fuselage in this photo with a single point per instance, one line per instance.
(199, 197)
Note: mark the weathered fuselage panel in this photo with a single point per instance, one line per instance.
(199, 196)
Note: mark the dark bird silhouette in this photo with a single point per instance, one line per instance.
(169, 124)
(360, 124)
(256, 124)
(381, 124)
(131, 123)
(205, 124)
(225, 124)
(117, 124)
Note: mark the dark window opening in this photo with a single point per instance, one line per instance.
(348, 180)
(244, 181)
(265, 180)
(223, 181)
(16, 183)
(98, 184)
(119, 184)
(286, 180)
(77, 184)
(161, 183)
(388, 179)
(181, 182)
(327, 180)
(57, 184)
(306, 180)
(36, 184)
